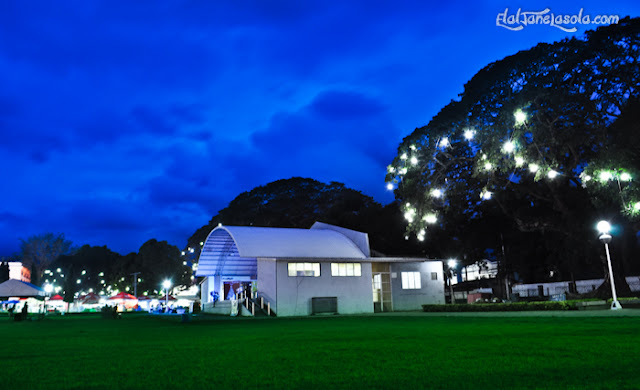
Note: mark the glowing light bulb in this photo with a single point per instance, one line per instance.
(389, 186)
(414, 161)
(436, 193)
(468, 134)
(520, 117)
(488, 166)
(444, 142)
(603, 227)
(605, 176)
(587, 178)
(533, 168)
(430, 218)
(636, 206)
(625, 176)
(552, 174)
(519, 161)
(508, 147)
(486, 195)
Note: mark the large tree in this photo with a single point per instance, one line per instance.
(547, 137)
(299, 202)
(93, 266)
(39, 251)
(155, 262)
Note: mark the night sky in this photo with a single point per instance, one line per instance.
(123, 121)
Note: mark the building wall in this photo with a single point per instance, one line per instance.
(267, 281)
(294, 293)
(431, 291)
(18, 272)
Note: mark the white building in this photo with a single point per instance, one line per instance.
(307, 271)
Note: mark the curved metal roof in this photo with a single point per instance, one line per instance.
(233, 250)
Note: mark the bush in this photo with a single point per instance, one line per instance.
(487, 307)
(110, 312)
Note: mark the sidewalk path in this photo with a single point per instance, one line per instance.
(550, 313)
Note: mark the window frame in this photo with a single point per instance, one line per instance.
(411, 280)
(304, 269)
(350, 270)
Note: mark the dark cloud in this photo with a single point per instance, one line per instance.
(342, 105)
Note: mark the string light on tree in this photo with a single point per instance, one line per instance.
(444, 142)
(552, 174)
(519, 161)
(436, 193)
(430, 218)
(533, 168)
(520, 116)
(509, 147)
(468, 134)
(390, 186)
(624, 176)
(414, 160)
(486, 195)
(605, 176)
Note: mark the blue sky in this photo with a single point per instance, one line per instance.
(124, 121)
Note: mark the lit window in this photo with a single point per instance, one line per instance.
(346, 269)
(304, 269)
(411, 281)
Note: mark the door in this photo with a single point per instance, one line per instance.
(381, 287)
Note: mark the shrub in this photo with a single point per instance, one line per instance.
(486, 307)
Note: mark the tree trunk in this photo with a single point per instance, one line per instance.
(604, 290)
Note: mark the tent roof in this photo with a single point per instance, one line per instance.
(233, 250)
(18, 288)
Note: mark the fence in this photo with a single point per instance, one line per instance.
(555, 288)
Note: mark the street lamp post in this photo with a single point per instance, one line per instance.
(166, 284)
(604, 228)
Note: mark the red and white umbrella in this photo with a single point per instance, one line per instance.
(90, 299)
(129, 301)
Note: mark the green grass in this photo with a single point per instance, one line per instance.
(394, 352)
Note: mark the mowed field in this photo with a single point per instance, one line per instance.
(368, 352)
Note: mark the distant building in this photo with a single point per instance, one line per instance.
(301, 272)
(18, 272)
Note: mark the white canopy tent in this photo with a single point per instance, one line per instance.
(20, 289)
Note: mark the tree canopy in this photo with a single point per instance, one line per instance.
(546, 138)
(299, 202)
(40, 250)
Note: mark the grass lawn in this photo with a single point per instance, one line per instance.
(394, 352)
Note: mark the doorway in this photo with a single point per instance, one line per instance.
(381, 287)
